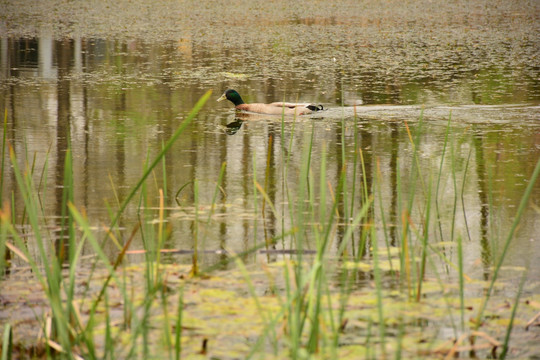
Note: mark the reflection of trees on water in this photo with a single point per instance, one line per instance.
(90, 93)
(64, 54)
(483, 188)
(393, 220)
(358, 182)
(270, 187)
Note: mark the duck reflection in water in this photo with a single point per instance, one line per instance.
(240, 118)
(233, 127)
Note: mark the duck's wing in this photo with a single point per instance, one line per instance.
(306, 108)
(263, 108)
(279, 108)
(289, 105)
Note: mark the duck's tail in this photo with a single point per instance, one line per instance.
(315, 107)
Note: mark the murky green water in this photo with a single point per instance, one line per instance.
(115, 79)
(119, 80)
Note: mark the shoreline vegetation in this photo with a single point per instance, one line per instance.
(353, 294)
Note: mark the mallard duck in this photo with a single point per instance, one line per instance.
(275, 108)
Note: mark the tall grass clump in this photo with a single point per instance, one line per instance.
(59, 328)
(311, 324)
(326, 224)
(66, 334)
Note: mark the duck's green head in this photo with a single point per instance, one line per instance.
(233, 96)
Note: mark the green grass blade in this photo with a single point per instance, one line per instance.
(4, 144)
(7, 343)
(178, 326)
(513, 316)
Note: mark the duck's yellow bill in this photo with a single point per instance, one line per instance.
(223, 97)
